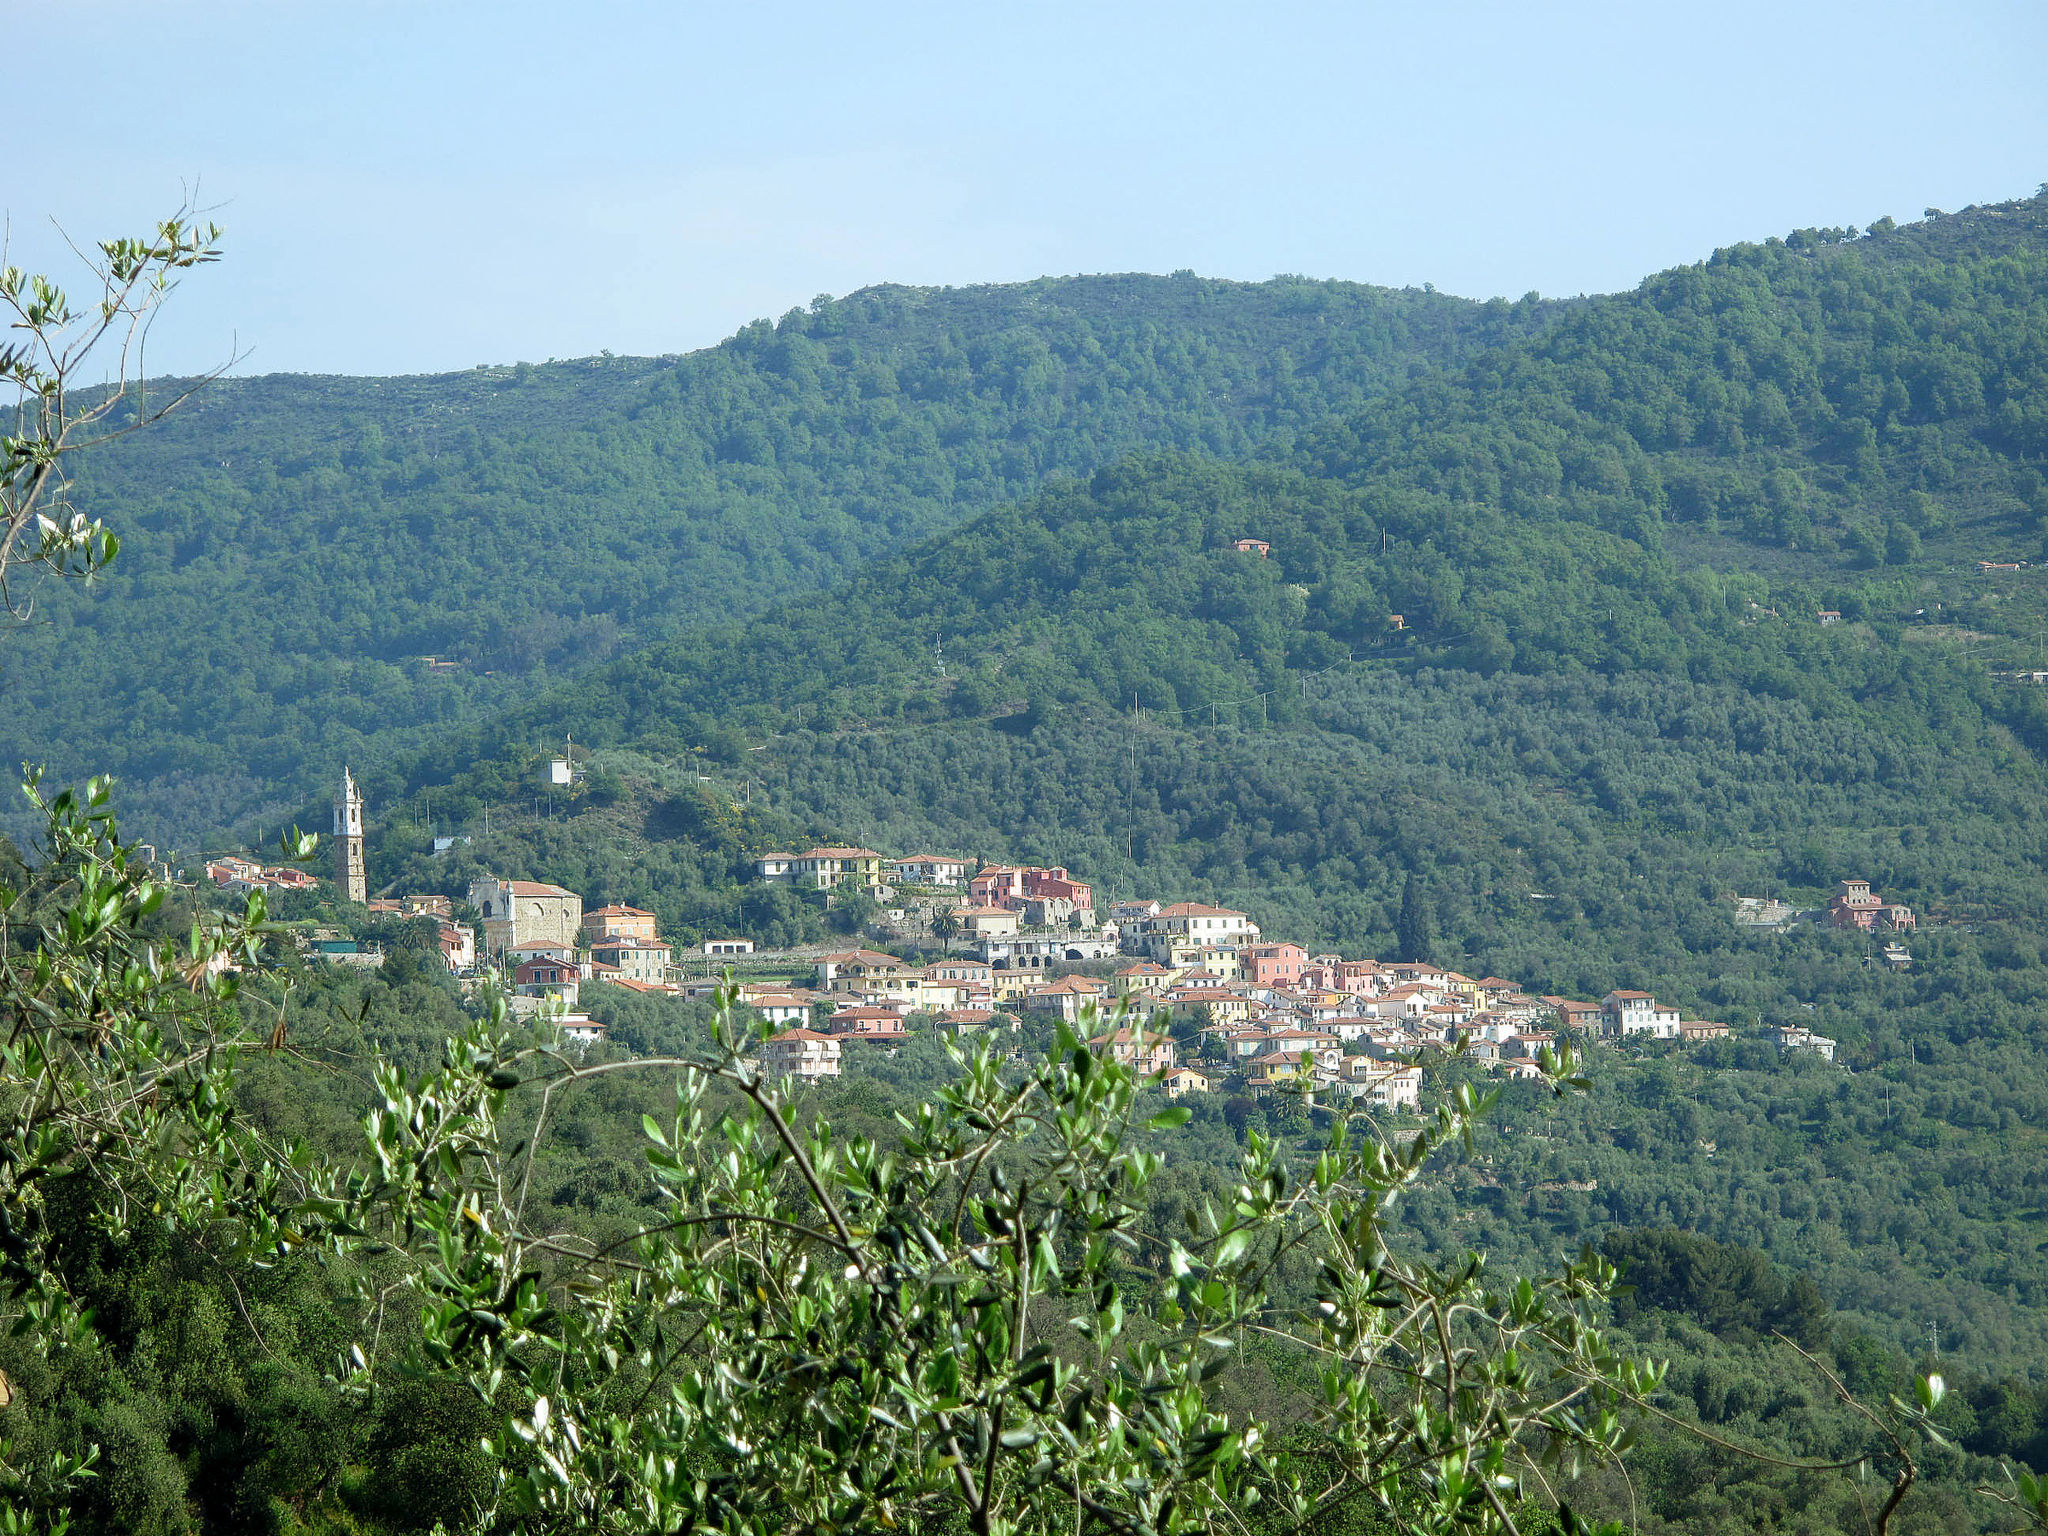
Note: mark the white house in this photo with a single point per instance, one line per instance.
(800, 1053)
(1796, 1037)
(1381, 1085)
(932, 869)
(1185, 923)
(1638, 1013)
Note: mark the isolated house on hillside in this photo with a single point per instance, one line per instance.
(1855, 905)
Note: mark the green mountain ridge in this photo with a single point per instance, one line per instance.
(303, 541)
(1611, 706)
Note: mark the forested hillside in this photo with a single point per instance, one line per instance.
(1612, 704)
(294, 546)
(1713, 588)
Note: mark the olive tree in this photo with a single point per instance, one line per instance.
(77, 369)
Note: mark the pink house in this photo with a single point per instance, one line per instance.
(1010, 885)
(1273, 965)
(1855, 905)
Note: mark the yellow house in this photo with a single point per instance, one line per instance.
(1009, 986)
(1466, 988)
(1211, 959)
(1225, 1006)
(1145, 976)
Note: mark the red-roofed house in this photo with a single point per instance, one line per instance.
(546, 976)
(1012, 885)
(846, 967)
(1855, 905)
(1186, 923)
(867, 1024)
(1065, 997)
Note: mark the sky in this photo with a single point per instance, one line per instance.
(421, 187)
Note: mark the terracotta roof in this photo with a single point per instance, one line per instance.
(616, 911)
(839, 853)
(858, 957)
(1083, 984)
(534, 888)
(1196, 909)
(1131, 1037)
(797, 1034)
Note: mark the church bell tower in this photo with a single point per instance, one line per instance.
(349, 877)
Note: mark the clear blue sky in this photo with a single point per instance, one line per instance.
(421, 186)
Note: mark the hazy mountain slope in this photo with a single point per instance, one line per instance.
(292, 544)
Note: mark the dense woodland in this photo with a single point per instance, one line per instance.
(1609, 528)
(308, 540)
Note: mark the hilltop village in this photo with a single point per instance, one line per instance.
(1194, 994)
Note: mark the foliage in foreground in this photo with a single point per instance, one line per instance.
(969, 1323)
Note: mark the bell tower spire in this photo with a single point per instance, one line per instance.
(351, 881)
